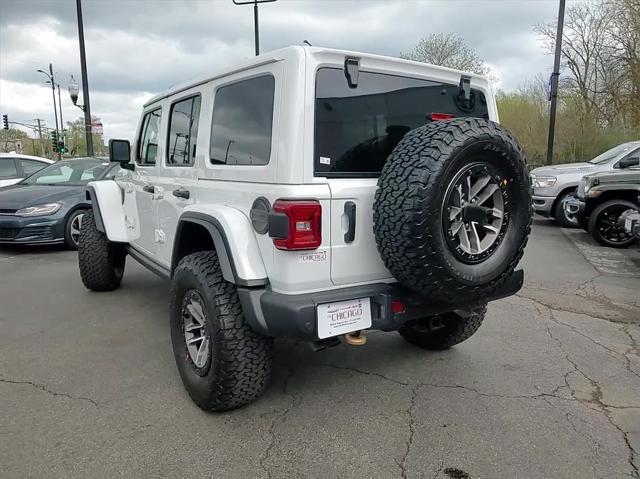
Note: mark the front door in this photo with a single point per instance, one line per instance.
(140, 189)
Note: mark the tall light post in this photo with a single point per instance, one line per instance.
(53, 95)
(85, 83)
(255, 18)
(553, 87)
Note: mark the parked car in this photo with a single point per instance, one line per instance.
(15, 167)
(553, 185)
(315, 194)
(48, 206)
(602, 205)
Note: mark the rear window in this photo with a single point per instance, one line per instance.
(357, 128)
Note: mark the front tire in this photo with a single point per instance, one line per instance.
(442, 331)
(101, 262)
(223, 363)
(72, 229)
(561, 216)
(604, 226)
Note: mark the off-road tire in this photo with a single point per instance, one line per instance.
(240, 360)
(409, 203)
(101, 262)
(595, 232)
(560, 215)
(455, 329)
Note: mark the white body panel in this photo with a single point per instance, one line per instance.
(109, 197)
(4, 181)
(227, 192)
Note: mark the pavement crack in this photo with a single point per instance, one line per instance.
(275, 420)
(412, 431)
(44, 388)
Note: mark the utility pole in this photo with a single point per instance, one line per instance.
(256, 35)
(40, 135)
(85, 82)
(60, 105)
(553, 94)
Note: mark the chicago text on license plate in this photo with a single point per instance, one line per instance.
(343, 317)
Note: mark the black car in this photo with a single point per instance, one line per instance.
(47, 207)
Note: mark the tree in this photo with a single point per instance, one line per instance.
(77, 145)
(12, 134)
(447, 50)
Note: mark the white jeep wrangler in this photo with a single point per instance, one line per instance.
(313, 194)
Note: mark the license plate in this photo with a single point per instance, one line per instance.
(343, 317)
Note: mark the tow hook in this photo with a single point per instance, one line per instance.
(355, 339)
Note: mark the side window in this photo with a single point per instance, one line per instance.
(242, 122)
(30, 167)
(148, 145)
(8, 168)
(183, 132)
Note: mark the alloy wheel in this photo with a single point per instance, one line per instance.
(197, 341)
(76, 224)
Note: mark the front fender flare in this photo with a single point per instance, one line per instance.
(234, 239)
(106, 201)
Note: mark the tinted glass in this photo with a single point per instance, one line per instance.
(8, 168)
(30, 166)
(68, 172)
(357, 128)
(183, 131)
(612, 153)
(242, 122)
(148, 147)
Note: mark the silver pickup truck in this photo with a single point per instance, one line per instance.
(553, 185)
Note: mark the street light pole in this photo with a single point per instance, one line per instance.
(554, 83)
(60, 105)
(256, 35)
(85, 82)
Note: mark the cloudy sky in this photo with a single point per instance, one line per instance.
(136, 48)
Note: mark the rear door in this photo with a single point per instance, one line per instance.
(355, 131)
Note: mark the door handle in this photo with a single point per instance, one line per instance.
(350, 211)
(180, 193)
(149, 189)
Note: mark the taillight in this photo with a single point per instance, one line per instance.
(441, 116)
(295, 224)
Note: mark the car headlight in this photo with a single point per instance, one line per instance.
(543, 181)
(39, 210)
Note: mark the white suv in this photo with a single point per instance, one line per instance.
(314, 194)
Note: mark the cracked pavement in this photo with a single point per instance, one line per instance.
(549, 387)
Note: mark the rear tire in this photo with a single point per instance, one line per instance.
(604, 227)
(451, 329)
(223, 363)
(101, 262)
(560, 214)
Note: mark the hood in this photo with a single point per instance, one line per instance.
(20, 196)
(565, 169)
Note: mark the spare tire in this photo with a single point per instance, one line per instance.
(452, 212)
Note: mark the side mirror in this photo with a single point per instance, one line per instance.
(627, 162)
(120, 152)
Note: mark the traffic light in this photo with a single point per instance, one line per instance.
(5, 121)
(61, 148)
(54, 141)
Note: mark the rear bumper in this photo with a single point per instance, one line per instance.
(36, 230)
(294, 316)
(543, 204)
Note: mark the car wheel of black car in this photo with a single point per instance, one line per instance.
(72, 229)
(101, 262)
(442, 331)
(452, 212)
(563, 218)
(223, 363)
(604, 226)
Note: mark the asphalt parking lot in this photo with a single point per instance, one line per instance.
(548, 388)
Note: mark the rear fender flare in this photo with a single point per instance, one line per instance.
(234, 240)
